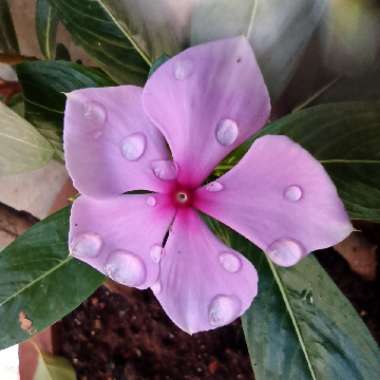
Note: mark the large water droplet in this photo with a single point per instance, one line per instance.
(86, 245)
(285, 252)
(230, 262)
(223, 309)
(165, 169)
(151, 201)
(126, 268)
(183, 69)
(156, 253)
(133, 146)
(95, 112)
(156, 288)
(227, 132)
(214, 186)
(293, 193)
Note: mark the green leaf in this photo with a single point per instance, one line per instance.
(345, 138)
(46, 25)
(22, 148)
(52, 367)
(300, 326)
(8, 39)
(112, 46)
(40, 283)
(44, 84)
(279, 31)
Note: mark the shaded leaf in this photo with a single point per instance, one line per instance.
(92, 27)
(345, 138)
(300, 326)
(51, 367)
(278, 30)
(40, 283)
(46, 25)
(8, 39)
(44, 84)
(22, 147)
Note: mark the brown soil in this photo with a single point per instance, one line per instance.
(111, 337)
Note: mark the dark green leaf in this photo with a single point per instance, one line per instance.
(40, 283)
(157, 63)
(46, 25)
(8, 39)
(345, 138)
(44, 84)
(300, 326)
(95, 30)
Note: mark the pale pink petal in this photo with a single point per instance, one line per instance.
(206, 101)
(109, 143)
(203, 284)
(121, 237)
(281, 199)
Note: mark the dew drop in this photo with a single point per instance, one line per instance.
(285, 252)
(156, 287)
(230, 262)
(214, 187)
(165, 169)
(126, 268)
(151, 201)
(223, 309)
(133, 147)
(86, 245)
(293, 193)
(183, 69)
(227, 132)
(95, 112)
(156, 253)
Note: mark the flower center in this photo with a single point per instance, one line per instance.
(182, 197)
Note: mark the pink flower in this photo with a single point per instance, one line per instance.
(205, 102)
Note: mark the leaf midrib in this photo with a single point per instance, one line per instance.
(293, 319)
(36, 280)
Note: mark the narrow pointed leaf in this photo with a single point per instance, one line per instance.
(46, 26)
(22, 147)
(93, 27)
(40, 283)
(50, 367)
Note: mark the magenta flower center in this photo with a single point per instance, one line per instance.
(182, 196)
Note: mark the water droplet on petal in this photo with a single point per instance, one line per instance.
(133, 147)
(95, 112)
(227, 132)
(285, 252)
(183, 69)
(293, 193)
(86, 245)
(156, 287)
(165, 169)
(214, 186)
(151, 201)
(126, 268)
(230, 262)
(223, 309)
(156, 253)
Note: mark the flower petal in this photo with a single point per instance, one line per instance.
(109, 142)
(206, 101)
(203, 284)
(121, 236)
(280, 198)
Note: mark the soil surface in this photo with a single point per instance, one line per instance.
(112, 337)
